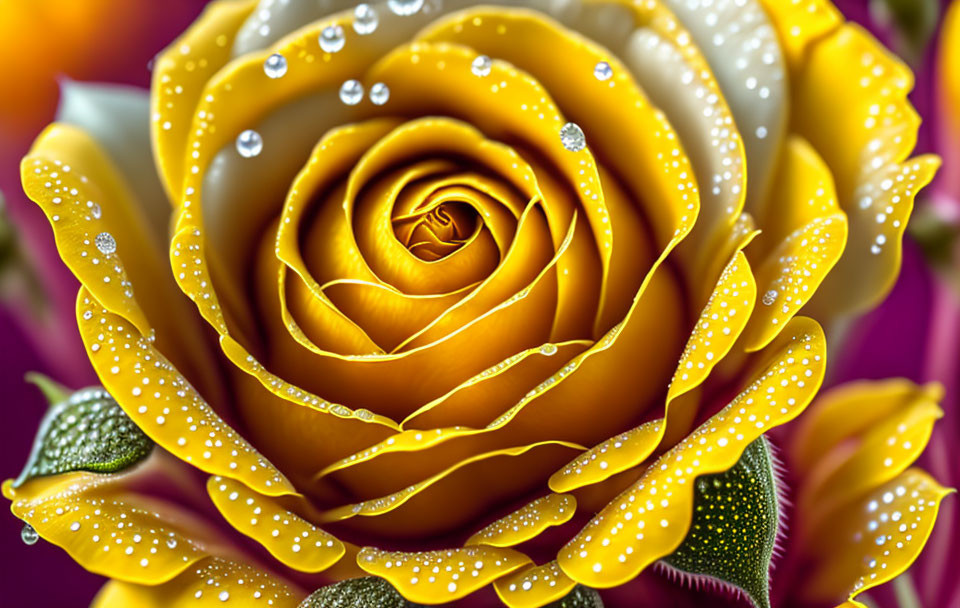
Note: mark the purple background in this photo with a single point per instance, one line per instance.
(43, 575)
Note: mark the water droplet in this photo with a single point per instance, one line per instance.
(379, 93)
(405, 8)
(249, 143)
(351, 92)
(365, 19)
(95, 210)
(770, 297)
(224, 596)
(481, 65)
(572, 137)
(602, 71)
(332, 39)
(105, 243)
(548, 349)
(275, 65)
(28, 535)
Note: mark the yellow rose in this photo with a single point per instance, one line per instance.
(468, 279)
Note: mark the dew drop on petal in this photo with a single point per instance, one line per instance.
(365, 19)
(379, 93)
(332, 39)
(28, 535)
(572, 137)
(481, 66)
(602, 71)
(275, 66)
(105, 243)
(405, 8)
(351, 92)
(249, 143)
(769, 298)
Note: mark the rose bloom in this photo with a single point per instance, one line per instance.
(440, 302)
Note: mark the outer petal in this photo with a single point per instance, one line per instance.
(108, 529)
(436, 577)
(651, 518)
(288, 537)
(527, 522)
(800, 24)
(86, 198)
(850, 102)
(179, 77)
(212, 582)
(804, 235)
(164, 405)
(534, 587)
(850, 410)
(876, 538)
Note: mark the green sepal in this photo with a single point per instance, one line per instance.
(83, 431)
(580, 597)
(365, 592)
(734, 528)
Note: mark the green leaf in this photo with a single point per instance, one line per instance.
(580, 597)
(735, 521)
(365, 592)
(83, 431)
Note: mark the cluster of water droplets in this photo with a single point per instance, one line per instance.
(332, 39)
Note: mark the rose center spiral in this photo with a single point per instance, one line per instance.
(437, 230)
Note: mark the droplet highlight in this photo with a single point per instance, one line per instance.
(28, 535)
(275, 66)
(249, 143)
(332, 39)
(365, 19)
(105, 243)
(572, 137)
(351, 92)
(379, 94)
(405, 8)
(481, 66)
(602, 71)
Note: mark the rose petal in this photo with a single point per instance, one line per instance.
(670, 68)
(658, 506)
(804, 238)
(534, 587)
(744, 53)
(436, 577)
(211, 582)
(496, 387)
(498, 34)
(164, 405)
(527, 522)
(280, 531)
(840, 414)
(109, 530)
(718, 328)
(801, 24)
(418, 509)
(877, 454)
(118, 118)
(84, 196)
(851, 104)
(876, 538)
(566, 395)
(179, 76)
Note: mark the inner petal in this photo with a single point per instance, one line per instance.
(439, 229)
